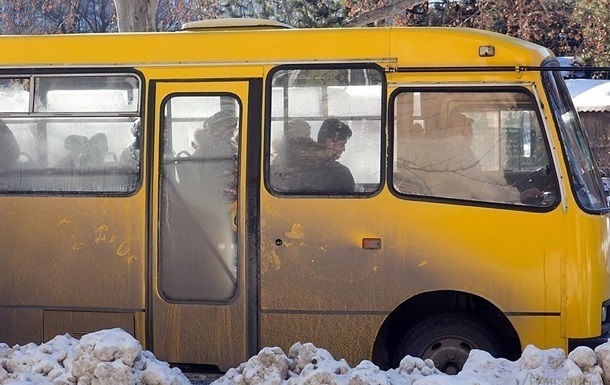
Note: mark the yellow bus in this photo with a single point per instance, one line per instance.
(238, 184)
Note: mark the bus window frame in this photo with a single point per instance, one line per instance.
(551, 68)
(472, 88)
(268, 119)
(33, 73)
(164, 141)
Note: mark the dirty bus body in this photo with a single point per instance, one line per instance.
(159, 182)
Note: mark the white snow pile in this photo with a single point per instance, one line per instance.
(107, 357)
(113, 357)
(307, 365)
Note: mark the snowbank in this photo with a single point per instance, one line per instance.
(113, 357)
(307, 365)
(107, 357)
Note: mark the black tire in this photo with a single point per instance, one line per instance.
(447, 340)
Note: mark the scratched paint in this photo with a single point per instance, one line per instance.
(296, 232)
(124, 251)
(271, 260)
(101, 233)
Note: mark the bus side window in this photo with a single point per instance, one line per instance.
(69, 132)
(478, 146)
(325, 131)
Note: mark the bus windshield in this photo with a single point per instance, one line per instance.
(585, 178)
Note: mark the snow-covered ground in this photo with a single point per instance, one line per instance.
(113, 357)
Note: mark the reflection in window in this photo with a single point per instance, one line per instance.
(478, 146)
(198, 257)
(14, 94)
(326, 131)
(87, 94)
(63, 144)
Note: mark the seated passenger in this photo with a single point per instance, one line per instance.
(97, 149)
(298, 154)
(447, 167)
(130, 157)
(334, 177)
(84, 152)
(9, 148)
(310, 166)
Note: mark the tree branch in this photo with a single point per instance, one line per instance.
(381, 13)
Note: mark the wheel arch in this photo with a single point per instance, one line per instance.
(429, 304)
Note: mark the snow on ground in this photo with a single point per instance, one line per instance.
(107, 357)
(113, 357)
(307, 365)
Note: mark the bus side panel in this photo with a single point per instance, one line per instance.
(587, 252)
(347, 336)
(71, 254)
(20, 325)
(504, 256)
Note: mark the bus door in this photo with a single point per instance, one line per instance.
(198, 295)
(320, 234)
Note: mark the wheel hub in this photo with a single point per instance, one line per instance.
(448, 354)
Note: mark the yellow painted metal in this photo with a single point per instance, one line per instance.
(402, 46)
(96, 253)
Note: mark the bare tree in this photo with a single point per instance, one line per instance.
(136, 15)
(383, 12)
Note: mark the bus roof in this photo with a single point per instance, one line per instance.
(233, 23)
(397, 46)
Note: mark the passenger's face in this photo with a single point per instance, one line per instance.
(337, 145)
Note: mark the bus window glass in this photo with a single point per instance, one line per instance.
(198, 258)
(64, 150)
(87, 94)
(584, 175)
(14, 94)
(326, 131)
(478, 146)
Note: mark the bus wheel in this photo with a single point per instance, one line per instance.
(447, 340)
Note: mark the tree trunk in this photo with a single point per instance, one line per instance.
(136, 15)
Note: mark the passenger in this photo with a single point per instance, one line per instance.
(326, 173)
(84, 152)
(130, 157)
(217, 137)
(301, 150)
(298, 154)
(447, 167)
(97, 148)
(9, 148)
(77, 152)
(216, 143)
